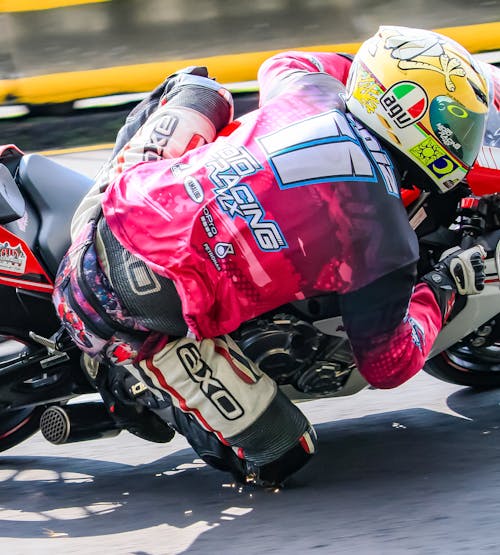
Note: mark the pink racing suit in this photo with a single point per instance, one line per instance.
(297, 200)
(293, 200)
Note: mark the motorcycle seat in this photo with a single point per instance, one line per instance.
(55, 191)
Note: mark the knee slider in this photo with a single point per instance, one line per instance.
(277, 444)
(277, 472)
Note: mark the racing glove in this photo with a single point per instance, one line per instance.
(460, 272)
(192, 88)
(188, 80)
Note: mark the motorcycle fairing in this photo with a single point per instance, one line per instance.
(483, 177)
(19, 267)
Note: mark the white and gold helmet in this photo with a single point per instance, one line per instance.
(425, 95)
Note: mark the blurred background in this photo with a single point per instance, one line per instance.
(63, 62)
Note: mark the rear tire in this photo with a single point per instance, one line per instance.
(18, 425)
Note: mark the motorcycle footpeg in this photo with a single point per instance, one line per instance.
(45, 341)
(55, 356)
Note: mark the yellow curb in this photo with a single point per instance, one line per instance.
(76, 149)
(11, 6)
(70, 86)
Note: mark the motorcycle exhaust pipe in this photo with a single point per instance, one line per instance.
(78, 422)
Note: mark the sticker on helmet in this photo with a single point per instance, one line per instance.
(405, 103)
(430, 154)
(409, 52)
(447, 137)
(413, 43)
(367, 92)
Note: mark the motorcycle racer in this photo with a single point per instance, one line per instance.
(199, 223)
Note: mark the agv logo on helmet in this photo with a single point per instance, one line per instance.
(405, 103)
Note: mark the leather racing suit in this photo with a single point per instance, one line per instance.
(216, 225)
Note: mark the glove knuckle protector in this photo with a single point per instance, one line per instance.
(467, 270)
(460, 272)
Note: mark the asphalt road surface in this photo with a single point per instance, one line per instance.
(413, 470)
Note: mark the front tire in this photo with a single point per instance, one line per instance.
(462, 364)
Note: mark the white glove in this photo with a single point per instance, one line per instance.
(466, 267)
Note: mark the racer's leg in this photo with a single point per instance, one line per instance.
(233, 415)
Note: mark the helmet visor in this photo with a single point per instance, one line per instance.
(459, 130)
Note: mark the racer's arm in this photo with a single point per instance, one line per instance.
(184, 112)
(283, 70)
(392, 326)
